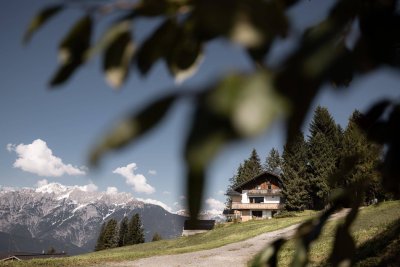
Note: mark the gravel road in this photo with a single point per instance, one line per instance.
(231, 255)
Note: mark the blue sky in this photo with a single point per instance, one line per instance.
(70, 119)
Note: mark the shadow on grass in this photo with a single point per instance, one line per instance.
(381, 250)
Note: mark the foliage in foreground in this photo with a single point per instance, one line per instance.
(222, 110)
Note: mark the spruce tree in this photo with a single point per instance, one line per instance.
(294, 170)
(323, 151)
(368, 156)
(252, 167)
(247, 170)
(100, 239)
(135, 230)
(123, 232)
(111, 234)
(273, 162)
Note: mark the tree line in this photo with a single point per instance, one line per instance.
(311, 168)
(127, 232)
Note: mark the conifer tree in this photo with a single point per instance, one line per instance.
(100, 239)
(273, 162)
(156, 237)
(252, 167)
(323, 151)
(111, 234)
(123, 232)
(135, 230)
(368, 155)
(294, 169)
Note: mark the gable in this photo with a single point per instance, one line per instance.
(263, 181)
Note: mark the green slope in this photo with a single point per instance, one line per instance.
(371, 230)
(376, 232)
(221, 235)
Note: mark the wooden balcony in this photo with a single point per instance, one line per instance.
(264, 192)
(256, 206)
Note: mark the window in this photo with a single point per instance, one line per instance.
(256, 213)
(269, 186)
(256, 199)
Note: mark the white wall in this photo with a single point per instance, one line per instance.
(245, 198)
(272, 199)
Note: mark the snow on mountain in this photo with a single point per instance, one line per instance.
(72, 215)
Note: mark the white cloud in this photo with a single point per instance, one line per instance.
(152, 172)
(88, 188)
(156, 202)
(10, 147)
(137, 181)
(37, 158)
(41, 183)
(166, 193)
(215, 204)
(182, 197)
(111, 190)
(214, 212)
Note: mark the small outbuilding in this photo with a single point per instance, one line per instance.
(196, 227)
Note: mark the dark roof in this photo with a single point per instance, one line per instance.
(258, 176)
(232, 193)
(199, 225)
(227, 212)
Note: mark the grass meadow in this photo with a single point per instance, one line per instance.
(376, 231)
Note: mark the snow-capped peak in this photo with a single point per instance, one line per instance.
(52, 188)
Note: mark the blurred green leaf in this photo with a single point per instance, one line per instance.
(240, 106)
(257, 23)
(63, 73)
(343, 249)
(108, 37)
(40, 19)
(151, 8)
(157, 45)
(185, 56)
(72, 50)
(212, 19)
(133, 127)
(269, 256)
(117, 58)
(209, 132)
(250, 101)
(306, 234)
(76, 42)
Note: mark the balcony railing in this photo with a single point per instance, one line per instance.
(256, 206)
(264, 192)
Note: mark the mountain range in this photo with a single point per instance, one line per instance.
(68, 218)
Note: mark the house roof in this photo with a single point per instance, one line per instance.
(258, 176)
(199, 225)
(228, 212)
(232, 193)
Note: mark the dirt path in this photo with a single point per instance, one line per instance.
(231, 255)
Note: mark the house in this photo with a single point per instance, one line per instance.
(259, 197)
(197, 227)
